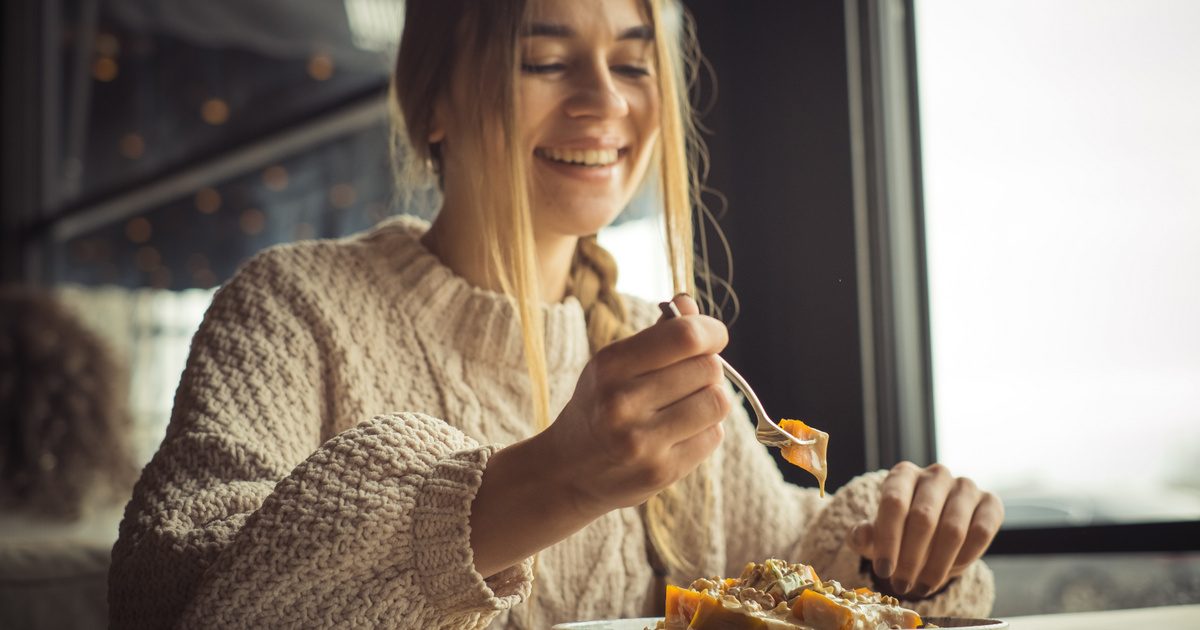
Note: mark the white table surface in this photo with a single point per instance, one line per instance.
(1164, 618)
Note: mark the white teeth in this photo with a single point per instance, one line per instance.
(587, 157)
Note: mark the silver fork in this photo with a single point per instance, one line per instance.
(768, 432)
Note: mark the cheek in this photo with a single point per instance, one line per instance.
(535, 107)
(644, 109)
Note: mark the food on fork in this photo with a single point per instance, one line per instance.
(778, 595)
(810, 457)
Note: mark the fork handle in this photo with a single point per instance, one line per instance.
(768, 431)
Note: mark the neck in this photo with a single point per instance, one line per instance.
(453, 238)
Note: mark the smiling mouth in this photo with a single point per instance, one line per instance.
(595, 158)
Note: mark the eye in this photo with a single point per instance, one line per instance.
(542, 68)
(631, 70)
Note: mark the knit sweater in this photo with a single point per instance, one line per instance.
(339, 406)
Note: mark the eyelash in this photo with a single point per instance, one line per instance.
(551, 68)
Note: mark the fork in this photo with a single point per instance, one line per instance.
(768, 432)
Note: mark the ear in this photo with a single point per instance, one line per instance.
(437, 127)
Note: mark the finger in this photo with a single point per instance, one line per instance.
(666, 386)
(896, 495)
(988, 517)
(861, 538)
(690, 452)
(662, 344)
(690, 416)
(949, 537)
(929, 498)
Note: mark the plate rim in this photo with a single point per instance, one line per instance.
(981, 623)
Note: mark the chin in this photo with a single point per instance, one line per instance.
(581, 217)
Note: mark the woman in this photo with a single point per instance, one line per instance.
(282, 496)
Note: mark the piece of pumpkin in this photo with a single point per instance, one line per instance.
(822, 613)
(681, 606)
(810, 457)
(911, 620)
(711, 615)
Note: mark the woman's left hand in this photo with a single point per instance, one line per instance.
(930, 527)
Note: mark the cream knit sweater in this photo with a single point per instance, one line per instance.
(339, 406)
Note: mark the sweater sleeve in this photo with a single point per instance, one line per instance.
(245, 519)
(795, 524)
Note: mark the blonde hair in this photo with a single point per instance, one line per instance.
(438, 35)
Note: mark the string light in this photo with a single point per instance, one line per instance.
(105, 69)
(215, 112)
(275, 178)
(208, 200)
(320, 67)
(132, 145)
(139, 230)
(252, 221)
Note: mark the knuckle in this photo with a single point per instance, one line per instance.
(904, 467)
(619, 404)
(627, 444)
(718, 401)
(953, 532)
(923, 517)
(893, 500)
(938, 470)
(713, 372)
(979, 532)
(965, 485)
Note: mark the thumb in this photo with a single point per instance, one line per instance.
(684, 304)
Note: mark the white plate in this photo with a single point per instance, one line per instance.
(648, 622)
(611, 624)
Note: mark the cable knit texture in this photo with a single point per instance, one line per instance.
(339, 406)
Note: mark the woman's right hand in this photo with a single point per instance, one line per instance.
(646, 411)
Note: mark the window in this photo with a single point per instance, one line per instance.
(1062, 206)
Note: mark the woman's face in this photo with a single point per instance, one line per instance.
(588, 108)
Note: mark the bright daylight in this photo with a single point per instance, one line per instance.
(1061, 151)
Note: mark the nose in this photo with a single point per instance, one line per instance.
(595, 94)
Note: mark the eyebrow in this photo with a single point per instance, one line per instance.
(642, 32)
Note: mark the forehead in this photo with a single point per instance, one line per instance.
(587, 17)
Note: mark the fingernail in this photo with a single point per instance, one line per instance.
(883, 568)
(921, 590)
(903, 588)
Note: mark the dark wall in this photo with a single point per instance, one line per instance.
(780, 148)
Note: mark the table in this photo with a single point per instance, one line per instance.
(1163, 618)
